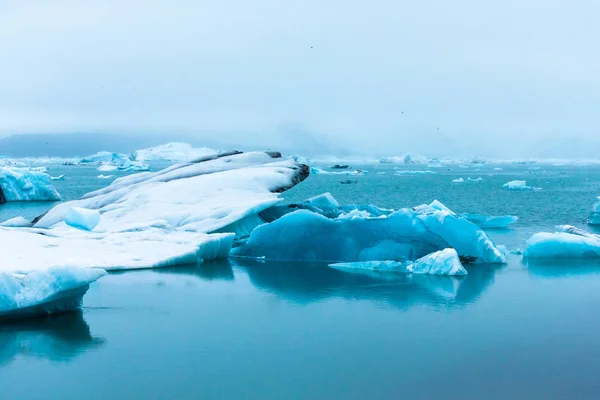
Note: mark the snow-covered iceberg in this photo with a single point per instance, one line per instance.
(20, 184)
(327, 236)
(568, 242)
(183, 213)
(172, 152)
(519, 185)
(594, 218)
(491, 222)
(44, 292)
(443, 262)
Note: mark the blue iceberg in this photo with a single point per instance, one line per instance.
(20, 184)
(44, 292)
(406, 234)
(568, 242)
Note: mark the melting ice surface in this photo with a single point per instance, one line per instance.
(443, 262)
(44, 292)
(22, 184)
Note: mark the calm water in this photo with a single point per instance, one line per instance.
(304, 331)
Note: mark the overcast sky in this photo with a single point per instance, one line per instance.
(383, 76)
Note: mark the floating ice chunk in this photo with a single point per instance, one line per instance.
(458, 180)
(18, 184)
(491, 222)
(480, 179)
(498, 169)
(16, 222)
(101, 176)
(172, 152)
(58, 178)
(443, 262)
(134, 166)
(44, 292)
(594, 218)
(323, 200)
(409, 172)
(563, 245)
(107, 168)
(519, 185)
(82, 218)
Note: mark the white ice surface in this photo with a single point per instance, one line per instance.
(519, 185)
(101, 176)
(20, 184)
(155, 219)
(562, 245)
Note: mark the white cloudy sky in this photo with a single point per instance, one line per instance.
(379, 74)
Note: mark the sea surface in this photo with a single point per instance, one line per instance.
(241, 330)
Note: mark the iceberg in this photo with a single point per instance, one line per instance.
(443, 262)
(107, 168)
(458, 180)
(44, 292)
(594, 218)
(491, 222)
(480, 179)
(106, 157)
(184, 213)
(572, 243)
(497, 169)
(101, 176)
(172, 152)
(58, 178)
(18, 184)
(82, 218)
(406, 234)
(16, 222)
(519, 185)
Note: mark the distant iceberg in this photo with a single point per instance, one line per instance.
(458, 180)
(480, 179)
(319, 171)
(172, 152)
(184, 213)
(519, 185)
(594, 218)
(443, 262)
(18, 184)
(106, 157)
(58, 178)
(107, 168)
(569, 242)
(44, 292)
(417, 172)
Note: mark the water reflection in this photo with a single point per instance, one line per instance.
(561, 268)
(304, 283)
(59, 337)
